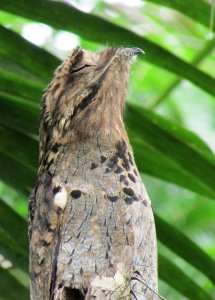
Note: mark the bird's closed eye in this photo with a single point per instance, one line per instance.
(76, 70)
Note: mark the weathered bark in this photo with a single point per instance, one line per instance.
(92, 233)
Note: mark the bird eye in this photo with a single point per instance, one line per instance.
(81, 68)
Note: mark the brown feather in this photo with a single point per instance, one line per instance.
(91, 223)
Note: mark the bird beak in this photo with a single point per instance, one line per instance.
(129, 52)
(136, 51)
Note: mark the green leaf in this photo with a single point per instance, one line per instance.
(177, 279)
(19, 232)
(39, 62)
(19, 147)
(184, 247)
(10, 288)
(13, 236)
(86, 25)
(16, 174)
(151, 161)
(197, 10)
(20, 86)
(207, 49)
(19, 114)
(177, 144)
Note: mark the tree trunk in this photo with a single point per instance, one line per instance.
(93, 229)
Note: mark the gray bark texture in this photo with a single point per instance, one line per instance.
(92, 233)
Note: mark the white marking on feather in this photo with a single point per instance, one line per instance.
(119, 283)
(60, 199)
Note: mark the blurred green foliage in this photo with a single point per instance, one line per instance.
(170, 120)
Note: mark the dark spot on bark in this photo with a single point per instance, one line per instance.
(45, 125)
(59, 210)
(106, 255)
(44, 243)
(45, 160)
(56, 189)
(55, 147)
(135, 172)
(113, 198)
(47, 179)
(93, 166)
(126, 182)
(121, 149)
(127, 241)
(81, 272)
(122, 178)
(145, 203)
(130, 200)
(131, 177)
(130, 159)
(118, 170)
(125, 163)
(50, 229)
(114, 159)
(78, 235)
(128, 191)
(45, 222)
(50, 163)
(76, 194)
(103, 158)
(108, 170)
(107, 232)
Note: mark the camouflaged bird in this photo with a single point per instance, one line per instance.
(91, 226)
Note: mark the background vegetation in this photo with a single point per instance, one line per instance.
(170, 119)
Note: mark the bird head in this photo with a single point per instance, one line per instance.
(87, 94)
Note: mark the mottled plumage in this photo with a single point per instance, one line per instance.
(91, 225)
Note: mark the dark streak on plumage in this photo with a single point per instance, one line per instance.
(128, 191)
(130, 159)
(90, 98)
(131, 177)
(112, 198)
(47, 179)
(76, 194)
(107, 170)
(93, 166)
(55, 147)
(121, 149)
(118, 170)
(122, 178)
(129, 200)
(56, 189)
(103, 159)
(145, 202)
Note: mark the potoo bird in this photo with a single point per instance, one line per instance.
(91, 226)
